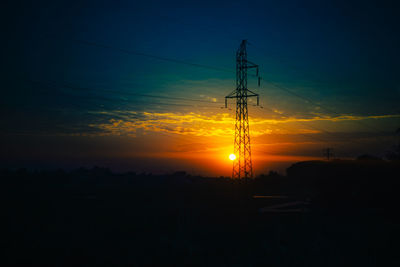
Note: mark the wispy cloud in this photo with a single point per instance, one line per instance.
(321, 117)
(206, 124)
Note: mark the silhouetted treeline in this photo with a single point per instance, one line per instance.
(97, 217)
(352, 185)
(338, 185)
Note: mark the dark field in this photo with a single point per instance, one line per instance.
(347, 217)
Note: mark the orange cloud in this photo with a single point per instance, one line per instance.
(207, 124)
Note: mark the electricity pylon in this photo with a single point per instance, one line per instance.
(242, 165)
(328, 153)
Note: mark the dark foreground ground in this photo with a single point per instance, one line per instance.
(95, 217)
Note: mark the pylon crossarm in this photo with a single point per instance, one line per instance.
(238, 96)
(231, 94)
(252, 92)
(250, 67)
(242, 166)
(252, 95)
(253, 65)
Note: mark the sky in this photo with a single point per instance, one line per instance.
(140, 86)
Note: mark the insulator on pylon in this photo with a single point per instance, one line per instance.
(257, 71)
(259, 81)
(226, 102)
(258, 100)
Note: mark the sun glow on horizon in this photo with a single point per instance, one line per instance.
(232, 157)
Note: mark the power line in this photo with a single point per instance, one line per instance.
(330, 110)
(137, 53)
(287, 116)
(316, 128)
(308, 136)
(88, 98)
(69, 86)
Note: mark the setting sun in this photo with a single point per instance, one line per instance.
(232, 156)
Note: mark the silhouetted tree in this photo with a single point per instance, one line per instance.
(368, 157)
(395, 153)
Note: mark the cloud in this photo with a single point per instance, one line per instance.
(209, 98)
(206, 124)
(287, 119)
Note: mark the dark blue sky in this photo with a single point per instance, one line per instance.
(341, 54)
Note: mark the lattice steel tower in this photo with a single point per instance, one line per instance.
(242, 165)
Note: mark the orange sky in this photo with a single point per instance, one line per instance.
(200, 142)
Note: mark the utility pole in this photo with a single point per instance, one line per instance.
(242, 165)
(328, 153)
